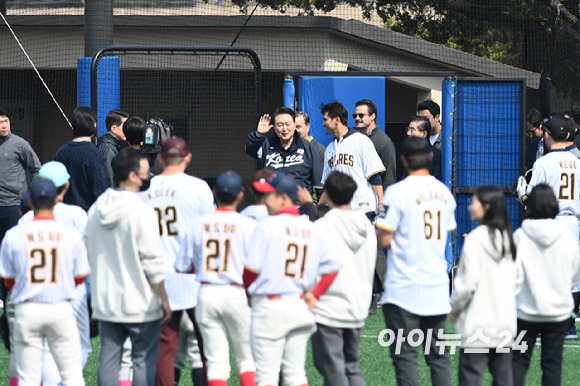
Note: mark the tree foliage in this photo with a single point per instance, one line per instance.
(537, 35)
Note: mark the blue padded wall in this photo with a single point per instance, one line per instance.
(315, 91)
(108, 87)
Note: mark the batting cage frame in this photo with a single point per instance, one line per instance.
(213, 95)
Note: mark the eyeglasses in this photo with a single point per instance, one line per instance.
(412, 130)
(360, 116)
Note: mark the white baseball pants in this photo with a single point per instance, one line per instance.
(281, 327)
(34, 322)
(222, 311)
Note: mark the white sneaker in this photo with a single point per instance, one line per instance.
(1, 303)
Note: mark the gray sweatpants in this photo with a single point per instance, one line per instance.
(145, 351)
(336, 354)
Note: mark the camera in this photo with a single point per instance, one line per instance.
(156, 131)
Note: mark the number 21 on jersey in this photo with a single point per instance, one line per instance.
(567, 186)
(40, 262)
(216, 256)
(296, 259)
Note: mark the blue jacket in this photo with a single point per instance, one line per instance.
(300, 160)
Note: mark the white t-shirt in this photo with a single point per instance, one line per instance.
(420, 211)
(355, 155)
(216, 246)
(288, 252)
(43, 257)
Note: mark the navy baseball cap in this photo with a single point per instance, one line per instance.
(281, 183)
(228, 185)
(42, 191)
(557, 127)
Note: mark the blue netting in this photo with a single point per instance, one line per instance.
(488, 121)
(488, 144)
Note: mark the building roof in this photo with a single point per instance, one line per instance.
(391, 41)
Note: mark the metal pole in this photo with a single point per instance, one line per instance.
(98, 25)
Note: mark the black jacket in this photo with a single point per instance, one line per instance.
(109, 147)
(300, 160)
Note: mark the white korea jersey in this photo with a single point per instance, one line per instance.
(70, 215)
(559, 169)
(288, 252)
(420, 211)
(178, 200)
(43, 257)
(355, 155)
(216, 247)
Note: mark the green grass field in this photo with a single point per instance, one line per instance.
(375, 362)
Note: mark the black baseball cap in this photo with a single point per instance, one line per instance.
(42, 191)
(228, 185)
(281, 183)
(557, 127)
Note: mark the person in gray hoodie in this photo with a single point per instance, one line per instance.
(484, 295)
(341, 313)
(127, 279)
(550, 256)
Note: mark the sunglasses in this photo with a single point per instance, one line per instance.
(360, 116)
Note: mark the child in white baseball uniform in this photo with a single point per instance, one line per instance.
(42, 262)
(341, 313)
(419, 212)
(287, 252)
(178, 199)
(484, 291)
(75, 217)
(215, 246)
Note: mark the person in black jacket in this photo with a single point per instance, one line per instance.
(420, 127)
(112, 142)
(535, 148)
(285, 151)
